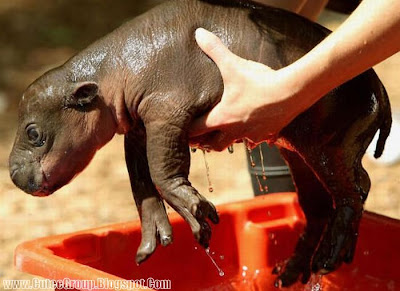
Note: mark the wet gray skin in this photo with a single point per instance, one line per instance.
(148, 80)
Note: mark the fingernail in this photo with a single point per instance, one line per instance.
(201, 33)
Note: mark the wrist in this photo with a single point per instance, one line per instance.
(295, 95)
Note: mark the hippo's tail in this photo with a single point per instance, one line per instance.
(386, 120)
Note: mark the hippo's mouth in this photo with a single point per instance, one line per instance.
(41, 193)
(44, 189)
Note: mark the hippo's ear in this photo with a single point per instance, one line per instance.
(83, 94)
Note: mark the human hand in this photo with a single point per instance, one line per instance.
(258, 102)
(255, 105)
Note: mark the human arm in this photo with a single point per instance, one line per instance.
(307, 8)
(370, 35)
(290, 5)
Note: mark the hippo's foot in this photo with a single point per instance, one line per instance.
(155, 227)
(339, 240)
(298, 266)
(193, 207)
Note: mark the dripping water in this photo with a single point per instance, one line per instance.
(248, 147)
(264, 177)
(253, 164)
(210, 186)
(220, 272)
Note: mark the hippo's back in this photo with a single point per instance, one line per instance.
(252, 31)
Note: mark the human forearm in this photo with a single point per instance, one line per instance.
(290, 5)
(307, 8)
(370, 35)
(312, 9)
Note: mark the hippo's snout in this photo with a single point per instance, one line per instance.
(29, 178)
(13, 171)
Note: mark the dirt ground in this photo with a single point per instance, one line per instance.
(101, 194)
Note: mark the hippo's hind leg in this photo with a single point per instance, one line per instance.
(339, 168)
(154, 219)
(166, 122)
(317, 206)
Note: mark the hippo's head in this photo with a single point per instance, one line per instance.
(61, 125)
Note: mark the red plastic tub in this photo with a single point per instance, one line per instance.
(251, 238)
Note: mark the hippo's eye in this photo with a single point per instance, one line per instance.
(35, 135)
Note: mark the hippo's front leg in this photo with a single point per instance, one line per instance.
(166, 121)
(154, 219)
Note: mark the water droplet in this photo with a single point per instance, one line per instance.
(266, 189)
(278, 284)
(195, 248)
(275, 242)
(255, 274)
(262, 163)
(210, 186)
(248, 147)
(259, 184)
(271, 235)
(366, 253)
(244, 274)
(245, 268)
(230, 149)
(269, 213)
(316, 287)
(222, 257)
(215, 264)
(315, 283)
(247, 144)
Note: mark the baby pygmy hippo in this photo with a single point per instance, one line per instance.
(149, 80)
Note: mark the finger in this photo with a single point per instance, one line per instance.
(199, 126)
(219, 141)
(148, 243)
(205, 210)
(206, 123)
(165, 232)
(306, 276)
(213, 214)
(351, 250)
(205, 236)
(216, 50)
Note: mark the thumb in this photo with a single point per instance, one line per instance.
(206, 123)
(215, 49)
